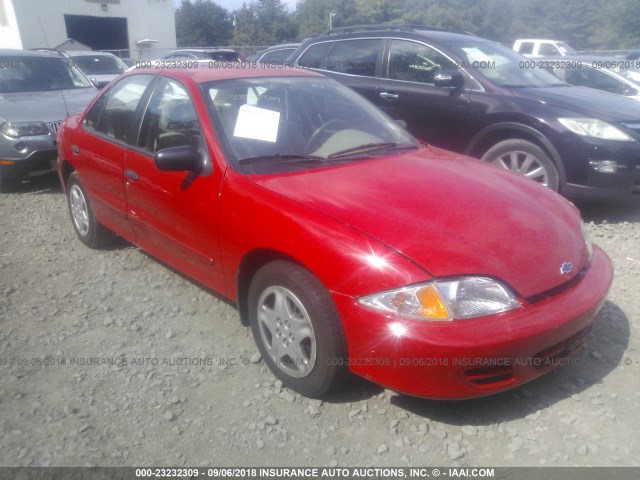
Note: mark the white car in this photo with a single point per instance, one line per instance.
(537, 47)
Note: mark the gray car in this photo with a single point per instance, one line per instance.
(100, 67)
(37, 91)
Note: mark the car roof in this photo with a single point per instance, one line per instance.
(420, 31)
(10, 52)
(539, 40)
(200, 75)
(206, 50)
(80, 53)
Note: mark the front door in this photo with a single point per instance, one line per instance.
(174, 214)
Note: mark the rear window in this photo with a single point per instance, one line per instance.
(98, 64)
(223, 56)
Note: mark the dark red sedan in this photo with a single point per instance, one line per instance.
(346, 244)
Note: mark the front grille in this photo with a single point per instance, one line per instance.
(53, 126)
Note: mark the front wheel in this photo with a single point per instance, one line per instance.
(526, 159)
(297, 328)
(89, 231)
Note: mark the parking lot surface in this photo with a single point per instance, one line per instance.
(110, 358)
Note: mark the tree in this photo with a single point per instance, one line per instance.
(202, 24)
(264, 22)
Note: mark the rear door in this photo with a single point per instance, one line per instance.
(174, 214)
(103, 148)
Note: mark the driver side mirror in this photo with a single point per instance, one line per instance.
(183, 158)
(448, 77)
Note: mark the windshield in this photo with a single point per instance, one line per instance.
(502, 66)
(38, 74)
(267, 123)
(98, 64)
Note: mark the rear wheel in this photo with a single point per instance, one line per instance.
(526, 159)
(89, 231)
(297, 329)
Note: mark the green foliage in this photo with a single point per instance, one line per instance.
(584, 24)
(202, 23)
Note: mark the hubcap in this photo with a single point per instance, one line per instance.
(79, 210)
(524, 164)
(286, 331)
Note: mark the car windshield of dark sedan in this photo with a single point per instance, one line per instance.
(266, 123)
(98, 64)
(503, 66)
(39, 74)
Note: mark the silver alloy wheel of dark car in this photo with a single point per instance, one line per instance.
(526, 159)
(286, 331)
(297, 328)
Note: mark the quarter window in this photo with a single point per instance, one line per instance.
(314, 56)
(119, 110)
(170, 120)
(355, 57)
(415, 62)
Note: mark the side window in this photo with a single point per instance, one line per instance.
(120, 107)
(547, 49)
(170, 119)
(415, 62)
(355, 57)
(526, 48)
(314, 56)
(93, 115)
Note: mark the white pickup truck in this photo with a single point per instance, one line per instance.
(536, 47)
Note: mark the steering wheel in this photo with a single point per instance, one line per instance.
(331, 125)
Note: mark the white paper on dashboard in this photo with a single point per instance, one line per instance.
(257, 123)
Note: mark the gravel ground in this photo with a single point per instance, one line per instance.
(158, 406)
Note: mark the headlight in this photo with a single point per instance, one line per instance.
(445, 300)
(592, 127)
(23, 129)
(587, 239)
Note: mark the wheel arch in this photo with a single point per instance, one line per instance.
(493, 134)
(66, 170)
(249, 265)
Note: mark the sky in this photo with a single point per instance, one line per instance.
(236, 4)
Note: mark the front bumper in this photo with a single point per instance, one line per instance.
(584, 182)
(476, 357)
(23, 156)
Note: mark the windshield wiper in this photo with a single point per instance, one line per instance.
(286, 157)
(367, 147)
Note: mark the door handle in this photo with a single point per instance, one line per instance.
(388, 96)
(131, 175)
(75, 149)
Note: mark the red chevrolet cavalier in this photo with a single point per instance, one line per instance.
(346, 244)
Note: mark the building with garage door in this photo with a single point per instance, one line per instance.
(141, 29)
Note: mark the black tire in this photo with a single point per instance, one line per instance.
(526, 159)
(9, 185)
(314, 361)
(88, 230)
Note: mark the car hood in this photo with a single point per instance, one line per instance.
(50, 106)
(450, 215)
(584, 101)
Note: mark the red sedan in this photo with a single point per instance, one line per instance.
(346, 244)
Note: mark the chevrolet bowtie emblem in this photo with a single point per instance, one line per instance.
(566, 267)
